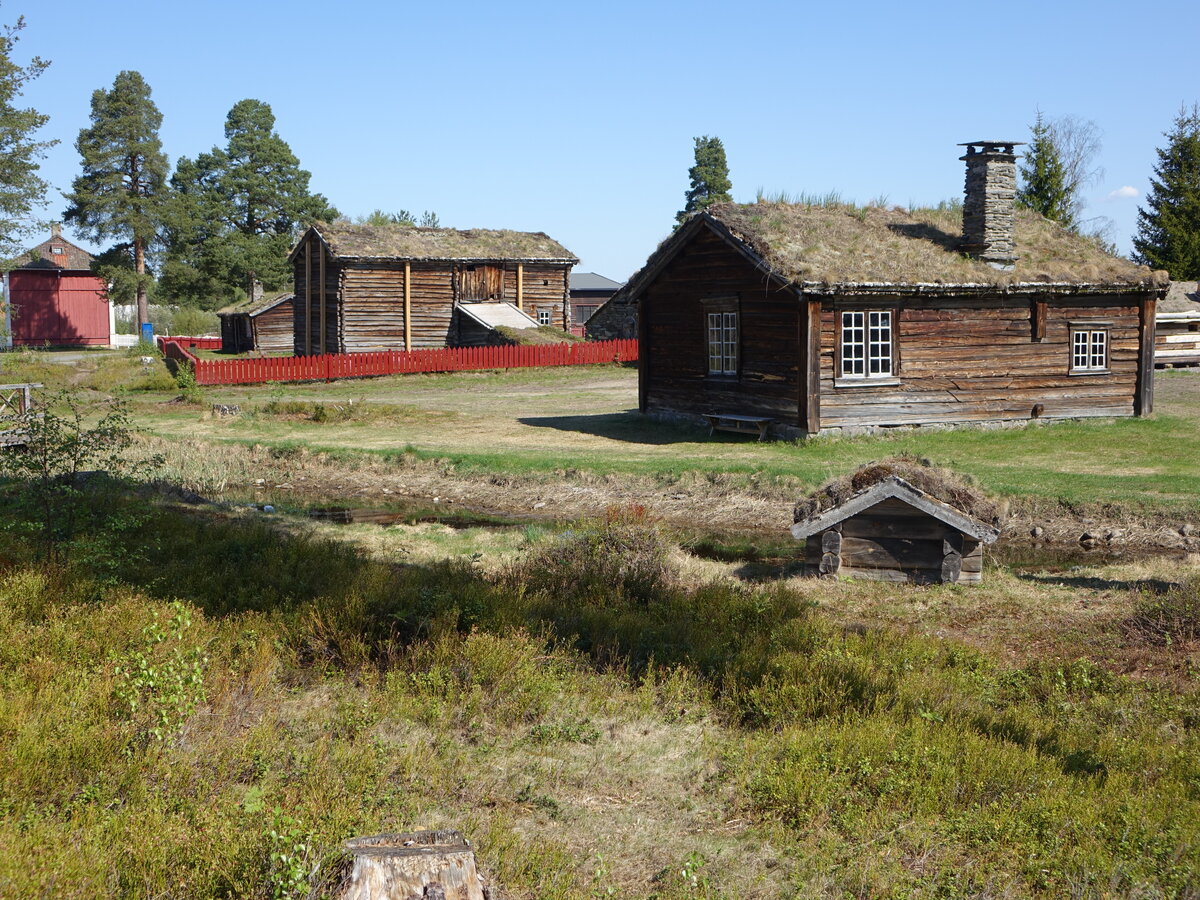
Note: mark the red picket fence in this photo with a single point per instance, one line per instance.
(395, 362)
(200, 343)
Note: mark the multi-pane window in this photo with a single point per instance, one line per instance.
(544, 316)
(722, 343)
(867, 343)
(1089, 350)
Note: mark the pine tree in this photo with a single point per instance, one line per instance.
(123, 192)
(710, 177)
(238, 211)
(20, 187)
(1168, 235)
(1044, 178)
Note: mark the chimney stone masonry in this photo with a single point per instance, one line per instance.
(990, 195)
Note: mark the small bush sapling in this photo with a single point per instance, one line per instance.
(72, 453)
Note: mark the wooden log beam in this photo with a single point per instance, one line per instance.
(1143, 403)
(321, 275)
(308, 296)
(407, 305)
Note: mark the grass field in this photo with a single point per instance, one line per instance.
(204, 700)
(542, 422)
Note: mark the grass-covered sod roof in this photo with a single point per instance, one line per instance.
(951, 488)
(839, 243)
(411, 242)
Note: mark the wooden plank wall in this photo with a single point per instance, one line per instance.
(306, 314)
(892, 541)
(1177, 340)
(546, 287)
(975, 359)
(675, 341)
(370, 314)
(273, 329)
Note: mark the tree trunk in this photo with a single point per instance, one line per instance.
(139, 266)
(423, 865)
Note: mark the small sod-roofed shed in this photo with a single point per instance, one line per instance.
(366, 287)
(893, 531)
(265, 323)
(1177, 338)
(835, 318)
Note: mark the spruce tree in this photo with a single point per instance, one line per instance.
(1168, 235)
(1044, 185)
(123, 192)
(239, 209)
(710, 177)
(20, 187)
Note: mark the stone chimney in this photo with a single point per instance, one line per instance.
(254, 289)
(56, 229)
(990, 195)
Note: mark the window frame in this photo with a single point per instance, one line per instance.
(727, 308)
(843, 379)
(1095, 336)
(548, 313)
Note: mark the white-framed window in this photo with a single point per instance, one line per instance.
(866, 343)
(722, 343)
(58, 250)
(1089, 350)
(544, 316)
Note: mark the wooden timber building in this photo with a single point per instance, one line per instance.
(827, 318)
(265, 323)
(1177, 338)
(361, 288)
(893, 531)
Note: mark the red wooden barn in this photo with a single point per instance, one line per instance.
(54, 298)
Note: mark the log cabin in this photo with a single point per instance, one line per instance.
(265, 323)
(894, 531)
(1177, 327)
(397, 287)
(55, 299)
(832, 318)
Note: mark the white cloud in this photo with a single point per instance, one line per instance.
(1123, 193)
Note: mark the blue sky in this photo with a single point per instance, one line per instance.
(578, 120)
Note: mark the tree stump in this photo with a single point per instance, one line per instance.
(422, 865)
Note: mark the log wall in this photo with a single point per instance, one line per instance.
(306, 313)
(366, 300)
(674, 342)
(892, 541)
(1177, 340)
(978, 359)
(274, 329)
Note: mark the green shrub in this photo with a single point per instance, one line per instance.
(193, 322)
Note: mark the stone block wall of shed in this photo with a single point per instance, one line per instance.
(973, 360)
(674, 343)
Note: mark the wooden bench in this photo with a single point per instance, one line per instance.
(15, 402)
(741, 424)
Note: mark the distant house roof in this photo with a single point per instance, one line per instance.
(895, 487)
(590, 281)
(256, 307)
(56, 253)
(1182, 297)
(495, 315)
(830, 247)
(414, 243)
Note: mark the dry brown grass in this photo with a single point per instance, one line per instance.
(842, 243)
(951, 488)
(412, 242)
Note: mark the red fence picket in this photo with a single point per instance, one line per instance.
(391, 362)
